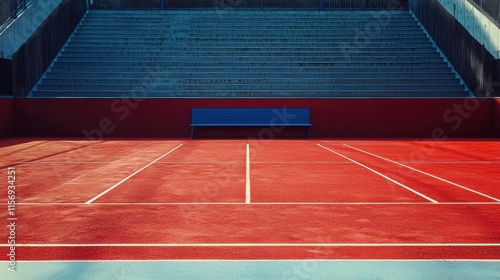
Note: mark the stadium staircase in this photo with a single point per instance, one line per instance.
(249, 53)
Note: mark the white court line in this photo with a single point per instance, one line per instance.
(130, 176)
(302, 162)
(247, 184)
(254, 260)
(457, 162)
(425, 173)
(200, 162)
(382, 175)
(260, 245)
(244, 203)
(256, 162)
(69, 162)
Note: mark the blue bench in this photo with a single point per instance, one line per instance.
(255, 117)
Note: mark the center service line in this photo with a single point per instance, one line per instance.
(247, 194)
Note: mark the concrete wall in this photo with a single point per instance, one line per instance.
(23, 27)
(96, 118)
(486, 31)
(469, 57)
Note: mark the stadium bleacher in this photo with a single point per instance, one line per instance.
(250, 53)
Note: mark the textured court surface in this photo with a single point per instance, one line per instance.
(237, 200)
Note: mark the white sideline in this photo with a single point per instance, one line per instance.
(425, 173)
(382, 175)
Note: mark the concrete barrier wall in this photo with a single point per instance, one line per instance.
(97, 118)
(6, 112)
(497, 117)
(480, 25)
(24, 26)
(457, 43)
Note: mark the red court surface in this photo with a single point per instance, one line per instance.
(180, 199)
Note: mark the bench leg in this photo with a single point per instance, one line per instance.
(192, 132)
(308, 132)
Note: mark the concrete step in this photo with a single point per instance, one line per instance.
(312, 69)
(291, 33)
(277, 29)
(254, 64)
(238, 22)
(80, 82)
(140, 93)
(245, 39)
(241, 12)
(247, 59)
(89, 56)
(334, 49)
(229, 20)
(242, 25)
(249, 45)
(249, 87)
(65, 57)
(277, 15)
(116, 76)
(347, 52)
(251, 53)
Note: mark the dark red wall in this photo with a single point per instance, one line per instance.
(330, 117)
(497, 117)
(6, 112)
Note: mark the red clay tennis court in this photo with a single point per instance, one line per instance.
(180, 199)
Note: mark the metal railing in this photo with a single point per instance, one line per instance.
(126, 4)
(249, 4)
(9, 9)
(365, 4)
(489, 7)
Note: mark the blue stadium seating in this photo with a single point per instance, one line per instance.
(249, 53)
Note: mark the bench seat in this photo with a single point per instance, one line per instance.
(251, 117)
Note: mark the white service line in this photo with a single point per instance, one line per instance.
(382, 175)
(67, 162)
(259, 245)
(247, 184)
(425, 173)
(243, 203)
(130, 176)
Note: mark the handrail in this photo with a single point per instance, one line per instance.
(10, 9)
